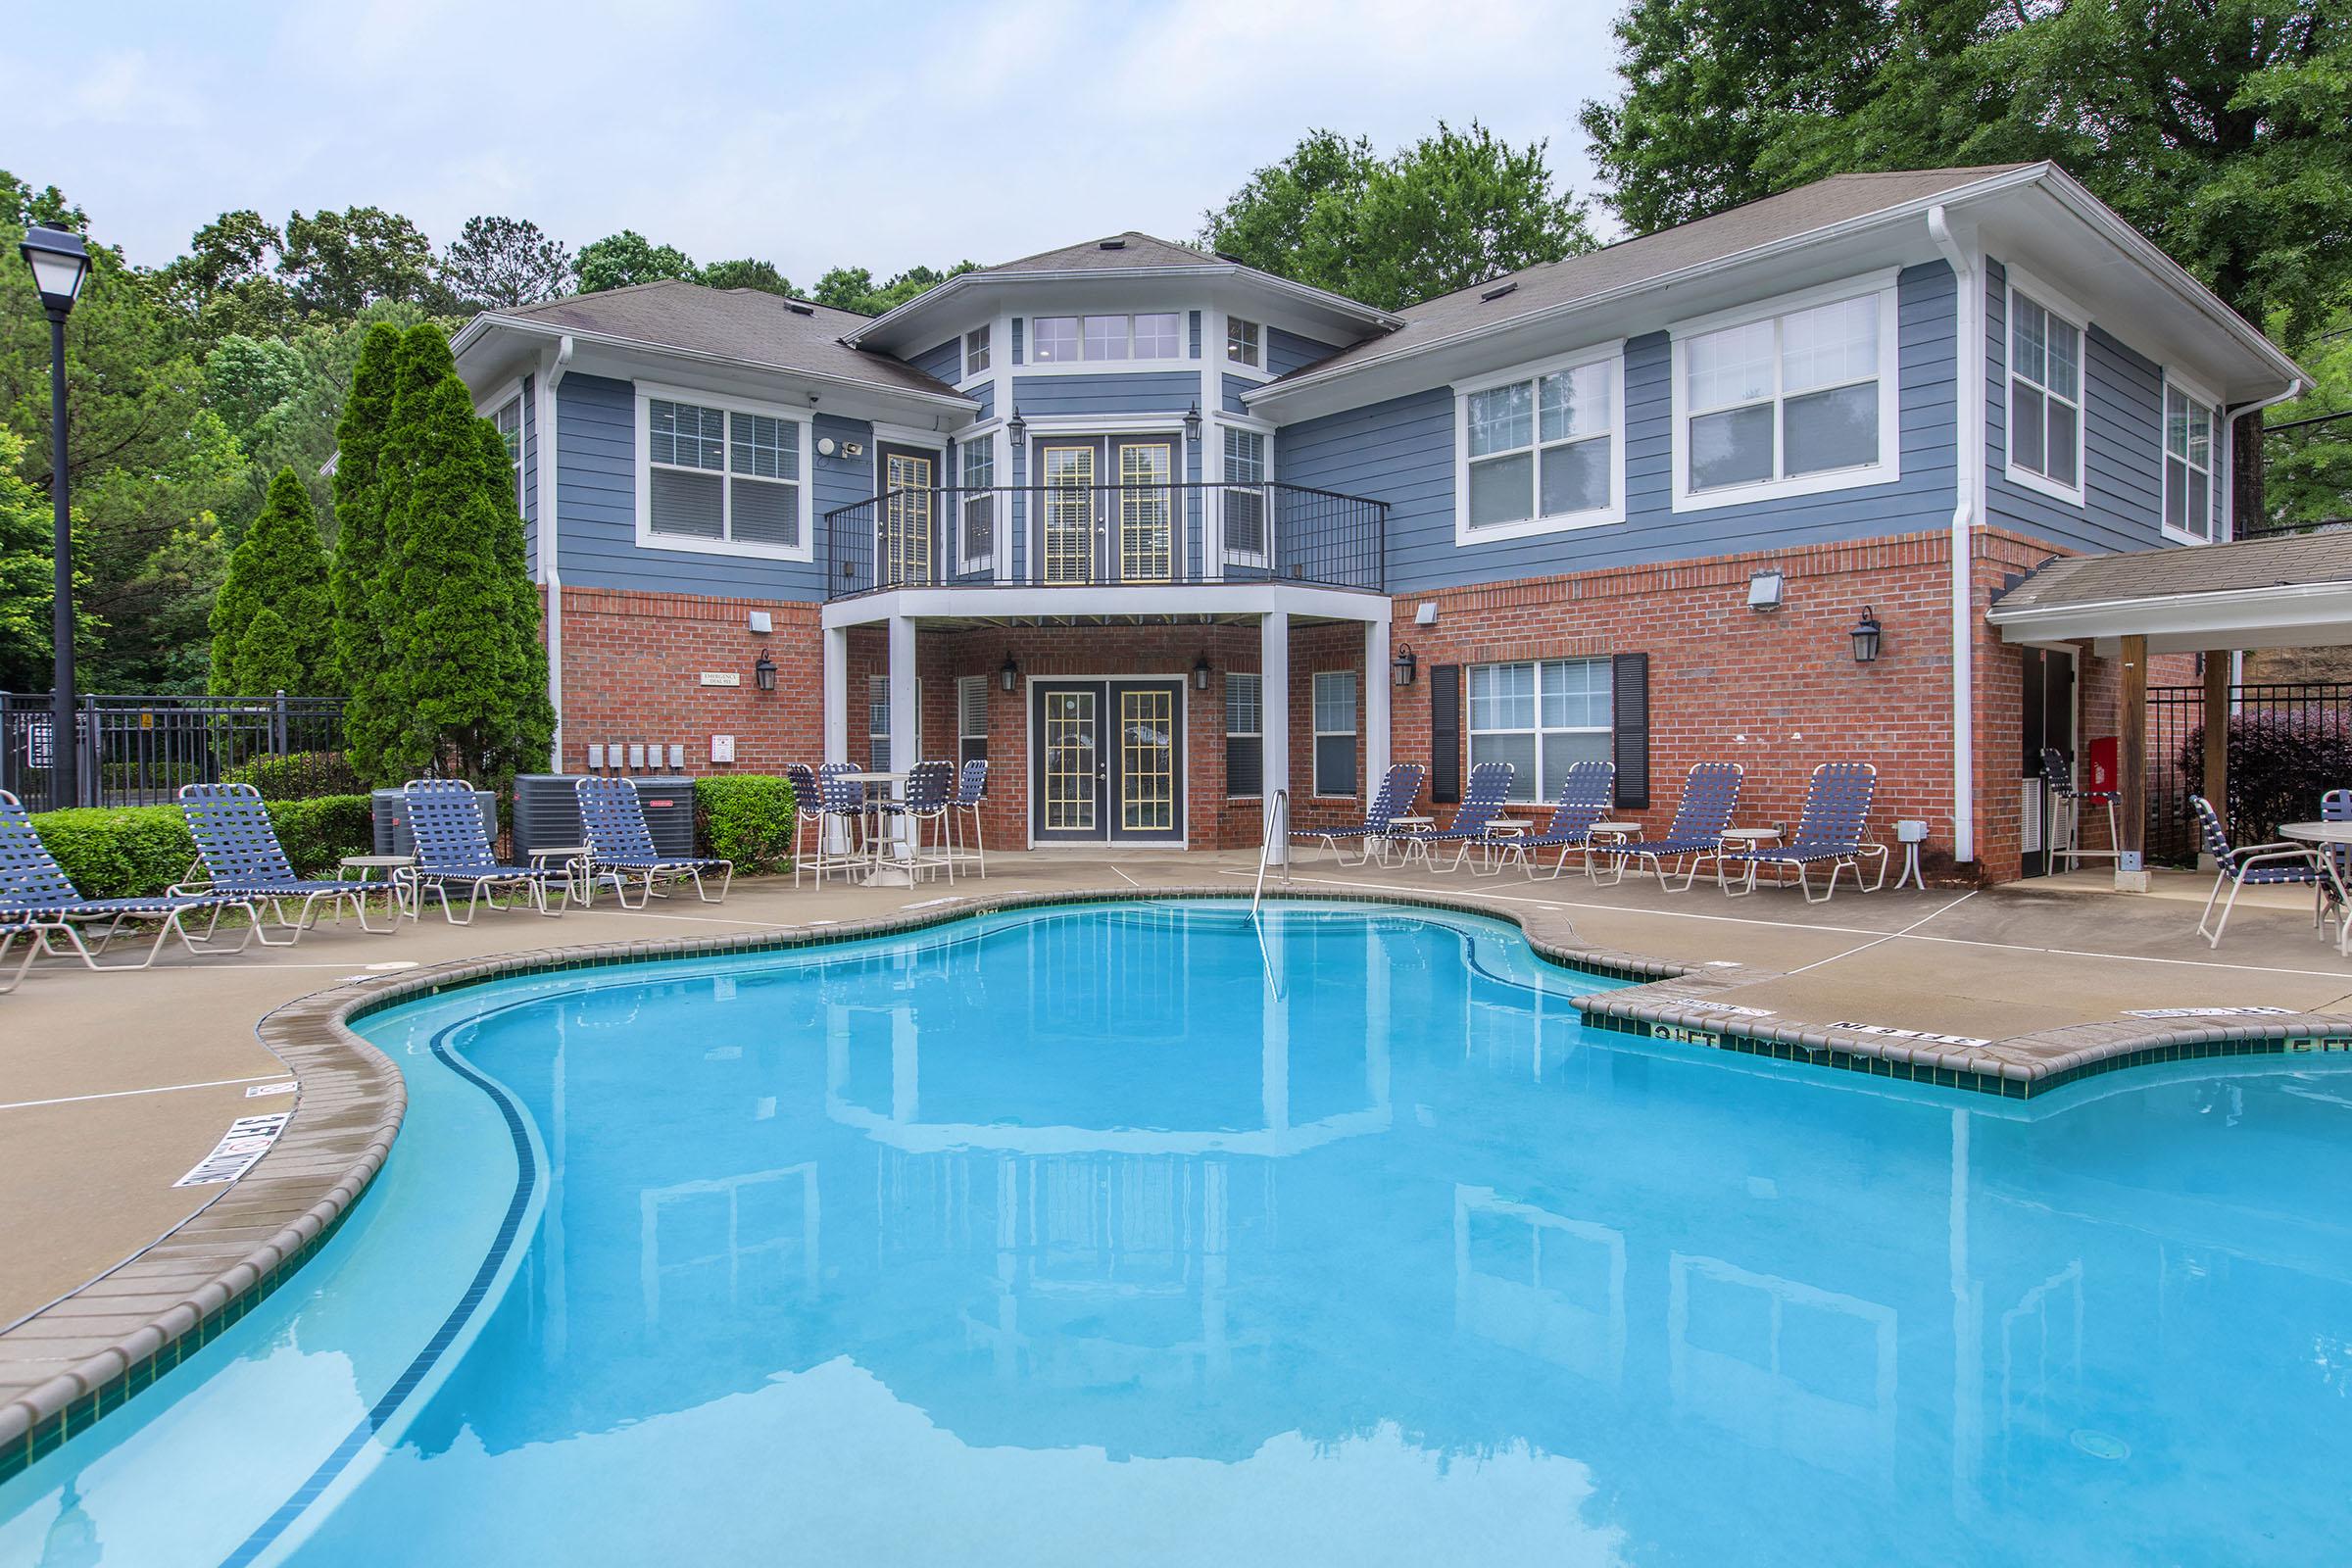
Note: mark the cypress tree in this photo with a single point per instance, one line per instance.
(360, 644)
(272, 619)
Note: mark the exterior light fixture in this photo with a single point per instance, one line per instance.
(763, 674)
(59, 263)
(1008, 673)
(1764, 589)
(1200, 672)
(1404, 665)
(1016, 426)
(1865, 638)
(1192, 422)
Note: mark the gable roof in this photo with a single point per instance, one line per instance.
(1130, 252)
(2072, 582)
(748, 327)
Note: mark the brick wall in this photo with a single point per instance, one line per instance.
(632, 669)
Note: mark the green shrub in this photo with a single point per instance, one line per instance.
(298, 776)
(746, 818)
(2280, 766)
(128, 852)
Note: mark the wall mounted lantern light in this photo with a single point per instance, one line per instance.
(1403, 664)
(1192, 422)
(763, 674)
(1200, 672)
(1008, 673)
(1866, 636)
(1016, 426)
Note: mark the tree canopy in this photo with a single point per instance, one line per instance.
(272, 621)
(499, 262)
(628, 258)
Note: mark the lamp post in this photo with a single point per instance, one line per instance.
(60, 263)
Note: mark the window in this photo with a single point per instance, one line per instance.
(1242, 343)
(1790, 403)
(727, 476)
(2192, 506)
(1067, 339)
(1244, 510)
(976, 351)
(2045, 399)
(971, 719)
(1540, 452)
(979, 504)
(877, 724)
(508, 416)
(1334, 733)
(1542, 718)
(1245, 734)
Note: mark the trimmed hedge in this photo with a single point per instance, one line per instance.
(746, 818)
(298, 775)
(127, 852)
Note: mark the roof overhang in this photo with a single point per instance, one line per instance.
(1008, 603)
(2287, 615)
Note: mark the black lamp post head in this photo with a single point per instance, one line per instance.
(60, 263)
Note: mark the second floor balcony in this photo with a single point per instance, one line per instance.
(1106, 535)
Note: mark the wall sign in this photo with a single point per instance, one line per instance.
(1885, 1031)
(247, 1139)
(721, 678)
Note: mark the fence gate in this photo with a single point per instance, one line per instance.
(138, 750)
(2176, 731)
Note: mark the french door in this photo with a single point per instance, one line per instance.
(2049, 720)
(1108, 512)
(1107, 762)
(903, 535)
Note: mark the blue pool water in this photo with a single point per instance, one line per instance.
(1142, 1234)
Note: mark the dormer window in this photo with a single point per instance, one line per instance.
(1242, 343)
(976, 351)
(1067, 339)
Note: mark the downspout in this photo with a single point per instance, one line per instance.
(551, 376)
(1968, 490)
(2229, 419)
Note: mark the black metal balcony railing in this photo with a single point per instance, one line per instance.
(1112, 534)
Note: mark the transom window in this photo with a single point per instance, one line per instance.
(979, 504)
(1244, 510)
(1798, 401)
(1335, 731)
(976, 351)
(1542, 718)
(1244, 733)
(1543, 451)
(2191, 497)
(1068, 339)
(725, 475)
(2045, 395)
(508, 416)
(1242, 345)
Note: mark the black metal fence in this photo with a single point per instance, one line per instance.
(138, 750)
(2176, 728)
(1107, 534)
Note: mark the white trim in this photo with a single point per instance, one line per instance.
(907, 435)
(805, 484)
(553, 365)
(1001, 501)
(2016, 281)
(1966, 262)
(1610, 354)
(1216, 557)
(1338, 304)
(1102, 424)
(2217, 483)
(965, 371)
(1033, 759)
(1315, 736)
(1538, 794)
(1107, 598)
(2288, 615)
(1126, 365)
(1224, 355)
(1881, 283)
(510, 391)
(1229, 734)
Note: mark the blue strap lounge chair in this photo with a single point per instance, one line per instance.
(1585, 797)
(621, 846)
(1829, 828)
(1482, 802)
(446, 820)
(238, 849)
(1710, 794)
(37, 898)
(2279, 864)
(1400, 786)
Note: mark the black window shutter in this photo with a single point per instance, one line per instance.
(1629, 678)
(1445, 733)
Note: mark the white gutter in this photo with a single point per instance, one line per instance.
(1307, 293)
(551, 376)
(2231, 415)
(1968, 489)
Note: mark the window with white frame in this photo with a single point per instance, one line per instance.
(2192, 508)
(508, 416)
(978, 507)
(1542, 452)
(971, 719)
(877, 724)
(1244, 510)
(1245, 734)
(1787, 402)
(976, 351)
(1069, 339)
(1335, 731)
(1242, 345)
(2045, 397)
(725, 475)
(1543, 716)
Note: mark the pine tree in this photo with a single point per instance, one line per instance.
(277, 577)
(360, 644)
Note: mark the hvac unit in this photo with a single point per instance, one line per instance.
(546, 814)
(392, 835)
(668, 802)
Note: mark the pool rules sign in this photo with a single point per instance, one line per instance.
(247, 1139)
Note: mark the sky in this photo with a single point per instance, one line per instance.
(860, 135)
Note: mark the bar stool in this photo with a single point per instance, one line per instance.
(971, 792)
(2066, 808)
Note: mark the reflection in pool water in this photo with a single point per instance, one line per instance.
(1137, 1233)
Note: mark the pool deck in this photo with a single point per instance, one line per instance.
(112, 1086)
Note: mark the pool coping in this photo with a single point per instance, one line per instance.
(102, 1343)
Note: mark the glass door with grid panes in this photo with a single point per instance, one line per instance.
(1107, 509)
(910, 481)
(1066, 475)
(1107, 760)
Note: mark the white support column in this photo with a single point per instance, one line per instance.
(837, 693)
(1377, 691)
(1274, 705)
(903, 721)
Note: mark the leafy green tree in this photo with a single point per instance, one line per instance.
(277, 574)
(852, 288)
(250, 380)
(618, 261)
(746, 273)
(461, 610)
(227, 282)
(1449, 211)
(363, 650)
(337, 264)
(499, 262)
(2308, 477)
(27, 578)
(23, 207)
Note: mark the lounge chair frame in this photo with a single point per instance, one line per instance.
(39, 902)
(446, 822)
(237, 851)
(1399, 788)
(620, 845)
(1829, 828)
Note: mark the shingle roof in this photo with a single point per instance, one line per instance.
(1113, 252)
(739, 323)
(2291, 561)
(1629, 262)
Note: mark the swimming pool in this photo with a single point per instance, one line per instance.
(1149, 1233)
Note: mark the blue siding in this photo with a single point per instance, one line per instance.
(1235, 386)
(530, 476)
(1130, 392)
(1402, 452)
(596, 493)
(944, 362)
(986, 392)
(2123, 443)
(1288, 351)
